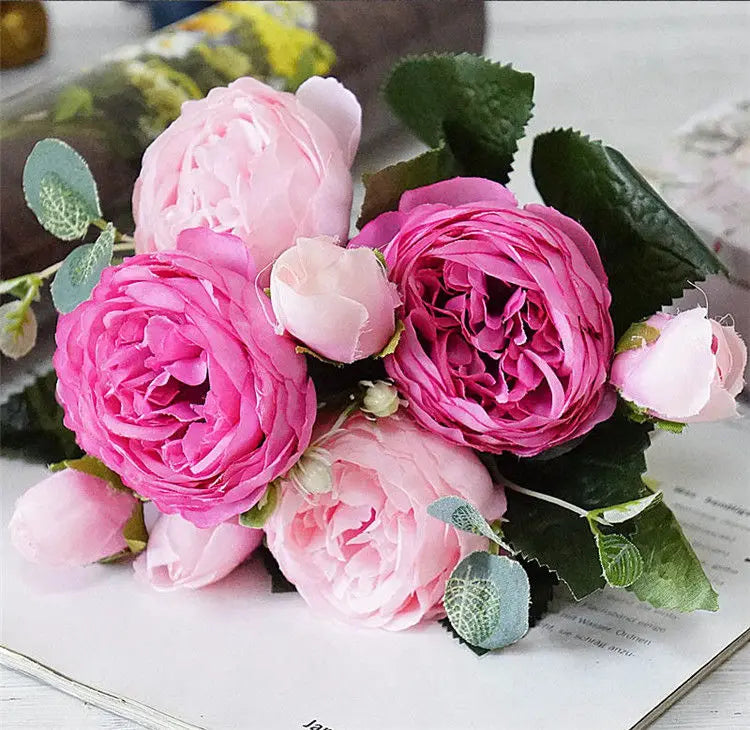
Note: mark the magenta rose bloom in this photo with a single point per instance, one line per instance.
(172, 375)
(508, 337)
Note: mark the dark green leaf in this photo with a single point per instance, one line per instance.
(383, 189)
(542, 582)
(604, 469)
(672, 577)
(279, 582)
(650, 254)
(32, 424)
(477, 108)
(478, 650)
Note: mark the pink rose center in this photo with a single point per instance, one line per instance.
(494, 340)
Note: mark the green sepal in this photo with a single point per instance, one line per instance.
(636, 336)
(649, 253)
(90, 465)
(134, 530)
(477, 108)
(303, 350)
(384, 189)
(257, 515)
(392, 344)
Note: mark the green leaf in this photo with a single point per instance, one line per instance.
(384, 189)
(672, 577)
(60, 189)
(650, 254)
(542, 582)
(636, 336)
(17, 329)
(487, 600)
(604, 469)
(463, 516)
(81, 271)
(134, 531)
(91, 465)
(73, 101)
(392, 344)
(621, 560)
(477, 108)
(257, 515)
(31, 423)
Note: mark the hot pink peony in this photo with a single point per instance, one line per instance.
(70, 519)
(337, 301)
(181, 555)
(367, 552)
(692, 372)
(265, 165)
(508, 336)
(172, 375)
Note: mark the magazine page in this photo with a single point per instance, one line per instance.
(235, 655)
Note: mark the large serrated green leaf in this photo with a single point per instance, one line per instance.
(60, 189)
(650, 254)
(672, 576)
(604, 469)
(383, 189)
(477, 108)
(81, 271)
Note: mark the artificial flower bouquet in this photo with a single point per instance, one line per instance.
(439, 418)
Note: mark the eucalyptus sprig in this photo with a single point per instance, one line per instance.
(61, 192)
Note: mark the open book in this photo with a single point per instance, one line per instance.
(236, 656)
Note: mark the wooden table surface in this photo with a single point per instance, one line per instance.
(629, 73)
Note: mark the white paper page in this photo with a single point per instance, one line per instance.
(235, 656)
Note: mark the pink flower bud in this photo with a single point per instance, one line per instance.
(691, 372)
(70, 519)
(181, 555)
(336, 301)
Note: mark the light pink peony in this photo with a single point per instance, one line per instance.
(181, 555)
(172, 375)
(508, 335)
(70, 519)
(367, 552)
(265, 165)
(692, 372)
(336, 301)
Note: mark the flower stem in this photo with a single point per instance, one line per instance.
(546, 498)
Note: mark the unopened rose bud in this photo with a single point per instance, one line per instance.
(381, 398)
(312, 473)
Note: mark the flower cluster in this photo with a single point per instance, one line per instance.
(255, 374)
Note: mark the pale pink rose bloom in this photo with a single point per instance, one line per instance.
(265, 165)
(507, 334)
(70, 519)
(367, 552)
(692, 372)
(181, 555)
(172, 375)
(336, 301)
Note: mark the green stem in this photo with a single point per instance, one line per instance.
(101, 224)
